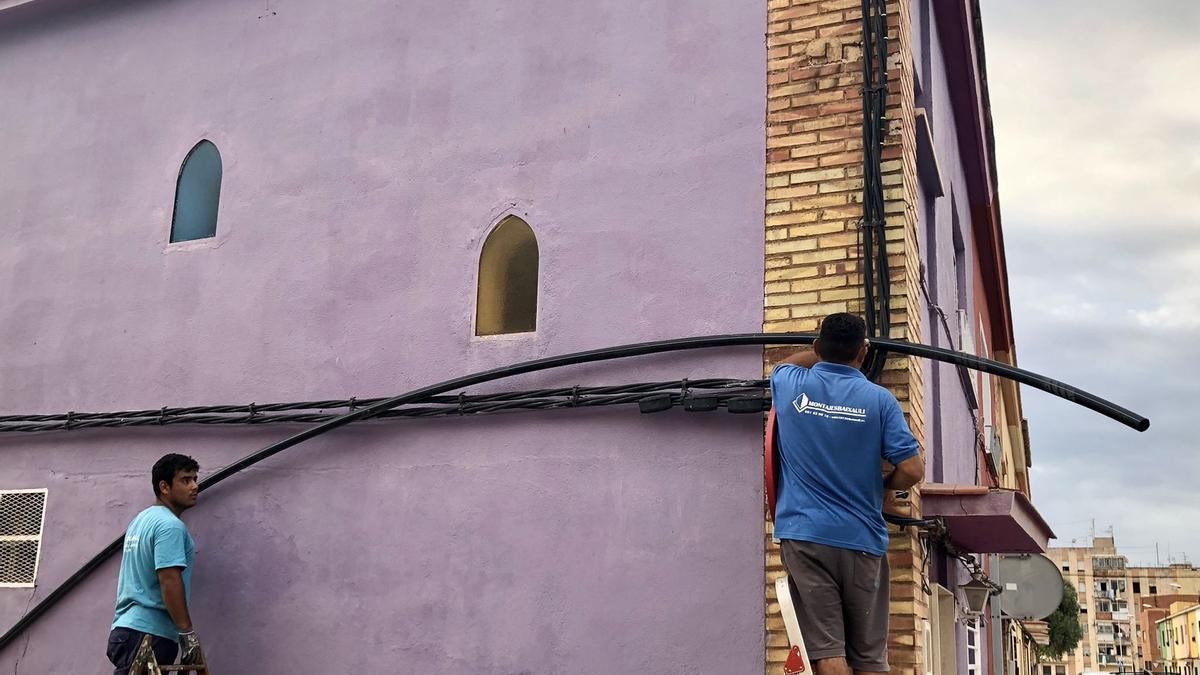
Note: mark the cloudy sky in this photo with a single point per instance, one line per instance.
(1097, 120)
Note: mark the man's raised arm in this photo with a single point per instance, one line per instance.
(805, 358)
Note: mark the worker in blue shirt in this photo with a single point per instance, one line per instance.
(836, 431)
(154, 587)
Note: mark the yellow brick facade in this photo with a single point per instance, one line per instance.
(813, 214)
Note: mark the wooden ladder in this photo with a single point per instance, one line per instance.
(144, 663)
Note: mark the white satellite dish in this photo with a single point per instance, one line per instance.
(1033, 586)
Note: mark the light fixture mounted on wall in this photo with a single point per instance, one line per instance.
(977, 592)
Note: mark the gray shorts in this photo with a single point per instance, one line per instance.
(841, 599)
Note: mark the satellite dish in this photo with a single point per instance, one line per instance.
(1033, 586)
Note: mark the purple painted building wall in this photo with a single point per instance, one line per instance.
(949, 263)
(368, 149)
(947, 242)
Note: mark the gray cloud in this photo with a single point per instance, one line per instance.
(1098, 147)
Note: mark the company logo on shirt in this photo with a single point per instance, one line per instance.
(806, 406)
(131, 543)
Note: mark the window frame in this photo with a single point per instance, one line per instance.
(219, 231)
(973, 633)
(492, 228)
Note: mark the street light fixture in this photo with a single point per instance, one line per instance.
(977, 592)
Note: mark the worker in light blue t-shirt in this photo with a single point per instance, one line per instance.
(836, 430)
(154, 587)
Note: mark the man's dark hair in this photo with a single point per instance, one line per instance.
(168, 465)
(841, 337)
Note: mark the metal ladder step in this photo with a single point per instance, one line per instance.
(144, 662)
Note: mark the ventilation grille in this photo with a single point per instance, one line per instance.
(22, 514)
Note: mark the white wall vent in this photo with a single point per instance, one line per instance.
(22, 516)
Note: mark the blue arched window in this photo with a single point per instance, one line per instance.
(197, 194)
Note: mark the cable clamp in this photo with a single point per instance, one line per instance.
(70, 419)
(353, 402)
(575, 396)
(162, 415)
(462, 403)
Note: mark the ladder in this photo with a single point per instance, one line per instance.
(144, 663)
(797, 660)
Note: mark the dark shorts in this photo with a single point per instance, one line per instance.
(123, 645)
(841, 599)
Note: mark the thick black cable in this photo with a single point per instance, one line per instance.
(869, 310)
(880, 121)
(710, 383)
(721, 391)
(876, 266)
(261, 413)
(1060, 389)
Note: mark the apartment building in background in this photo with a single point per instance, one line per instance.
(1120, 606)
(1155, 608)
(1179, 639)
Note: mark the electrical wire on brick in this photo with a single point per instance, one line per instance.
(876, 268)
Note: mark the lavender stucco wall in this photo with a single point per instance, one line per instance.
(954, 440)
(368, 147)
(950, 436)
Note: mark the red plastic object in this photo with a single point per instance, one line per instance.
(770, 463)
(795, 662)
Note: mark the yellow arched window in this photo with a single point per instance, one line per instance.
(508, 280)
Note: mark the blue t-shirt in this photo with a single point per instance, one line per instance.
(155, 540)
(834, 427)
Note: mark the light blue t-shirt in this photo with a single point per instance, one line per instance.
(834, 427)
(155, 540)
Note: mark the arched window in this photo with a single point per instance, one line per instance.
(197, 194)
(508, 280)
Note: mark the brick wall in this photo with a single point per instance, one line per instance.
(813, 209)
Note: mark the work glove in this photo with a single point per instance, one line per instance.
(189, 644)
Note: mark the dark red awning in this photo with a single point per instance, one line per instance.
(986, 520)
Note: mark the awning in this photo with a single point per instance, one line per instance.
(986, 520)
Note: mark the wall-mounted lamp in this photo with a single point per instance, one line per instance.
(977, 592)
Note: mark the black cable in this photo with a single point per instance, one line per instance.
(872, 186)
(261, 413)
(722, 392)
(880, 121)
(876, 267)
(879, 217)
(1060, 389)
